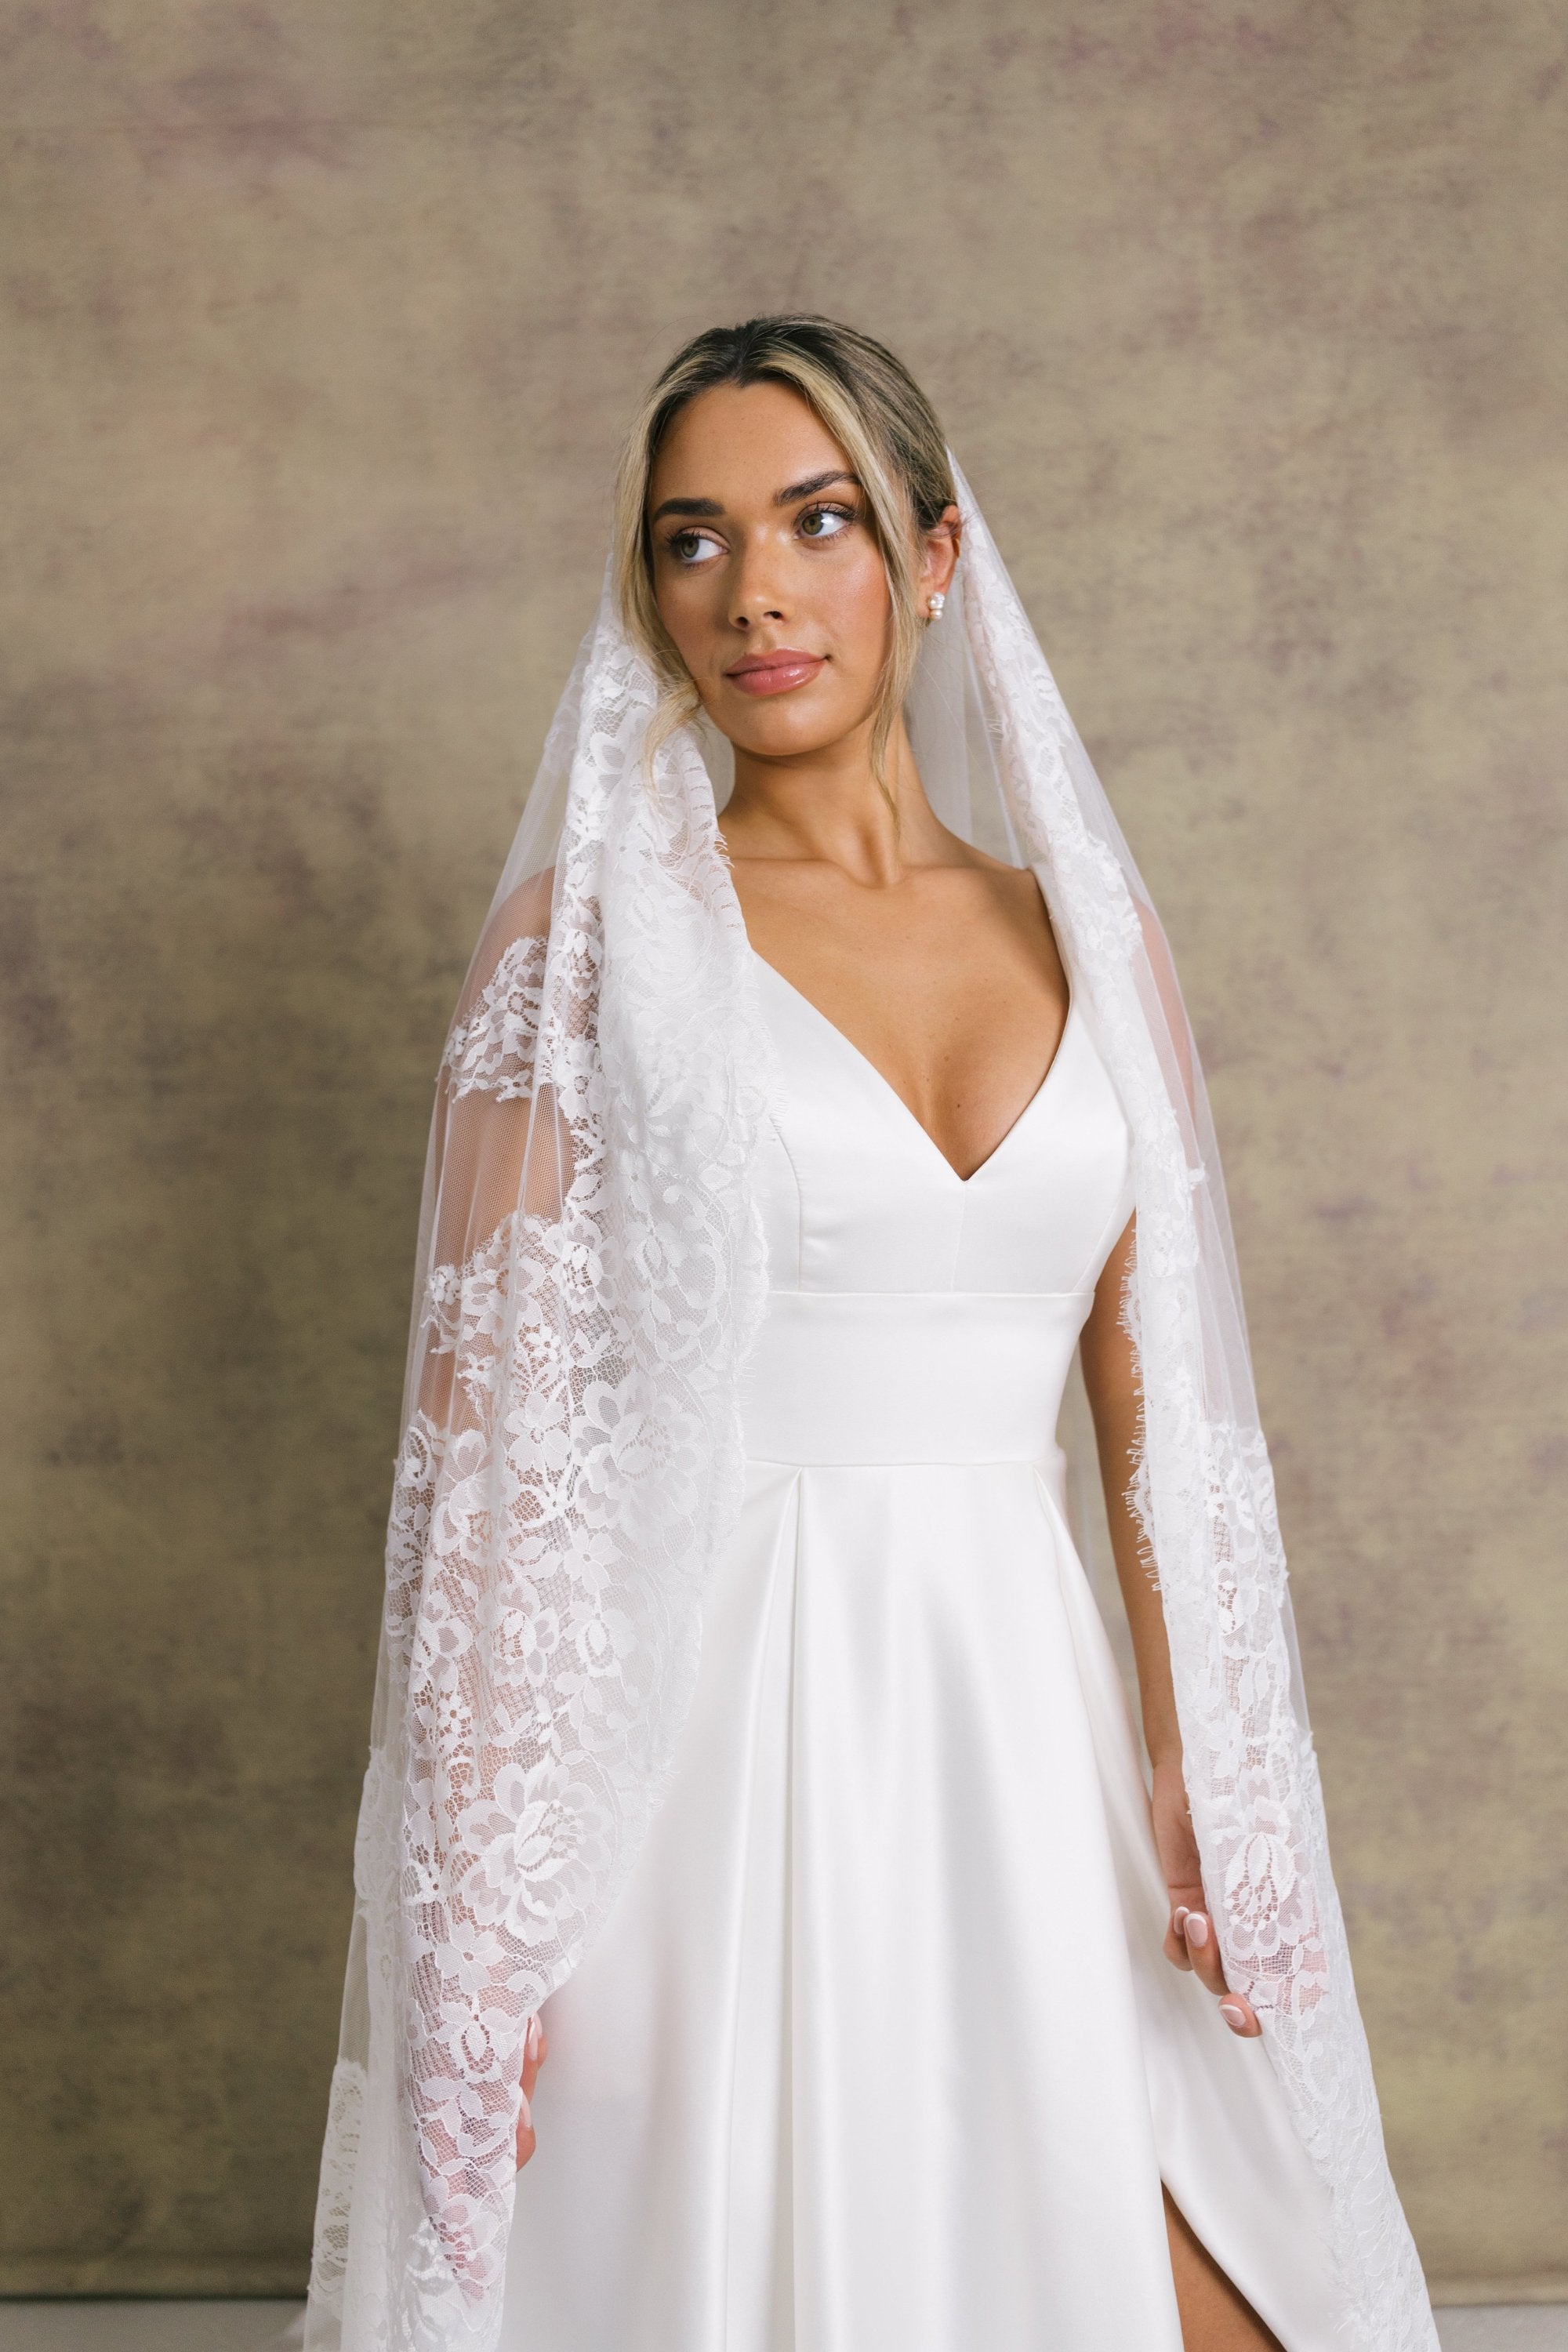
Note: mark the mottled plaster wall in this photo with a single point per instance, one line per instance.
(320, 326)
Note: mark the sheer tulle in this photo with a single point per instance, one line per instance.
(591, 1276)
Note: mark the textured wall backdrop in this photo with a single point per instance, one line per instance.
(319, 324)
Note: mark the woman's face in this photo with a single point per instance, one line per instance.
(765, 569)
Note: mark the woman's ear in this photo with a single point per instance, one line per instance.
(939, 554)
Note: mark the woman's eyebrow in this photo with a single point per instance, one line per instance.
(808, 489)
(707, 508)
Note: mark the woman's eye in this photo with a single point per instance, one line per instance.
(690, 547)
(824, 522)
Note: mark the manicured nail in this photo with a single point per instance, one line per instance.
(1177, 1917)
(1233, 2016)
(530, 2042)
(525, 2113)
(1197, 1928)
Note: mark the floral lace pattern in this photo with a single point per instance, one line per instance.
(334, 2196)
(571, 1455)
(494, 1047)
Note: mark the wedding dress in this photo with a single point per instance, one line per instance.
(876, 2052)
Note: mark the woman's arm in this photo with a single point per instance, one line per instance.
(1109, 1373)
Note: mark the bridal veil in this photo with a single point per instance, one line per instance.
(590, 1276)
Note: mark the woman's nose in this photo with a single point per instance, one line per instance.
(755, 596)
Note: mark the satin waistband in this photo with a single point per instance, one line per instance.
(853, 1377)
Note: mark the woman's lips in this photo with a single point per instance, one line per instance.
(774, 673)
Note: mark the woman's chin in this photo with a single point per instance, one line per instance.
(781, 726)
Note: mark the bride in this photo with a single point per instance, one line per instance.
(756, 1846)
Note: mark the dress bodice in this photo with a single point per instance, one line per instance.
(911, 1308)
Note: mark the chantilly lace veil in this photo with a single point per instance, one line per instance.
(591, 1274)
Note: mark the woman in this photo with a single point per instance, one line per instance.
(783, 1157)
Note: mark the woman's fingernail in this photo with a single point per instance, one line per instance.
(1197, 1928)
(1233, 2015)
(530, 2042)
(1177, 1917)
(525, 2113)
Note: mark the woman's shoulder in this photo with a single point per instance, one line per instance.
(515, 933)
(524, 913)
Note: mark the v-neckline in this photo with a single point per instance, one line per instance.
(880, 1078)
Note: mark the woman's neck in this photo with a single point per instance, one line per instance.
(829, 804)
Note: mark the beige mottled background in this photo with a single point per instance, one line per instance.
(319, 321)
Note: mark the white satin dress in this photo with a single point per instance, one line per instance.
(876, 2052)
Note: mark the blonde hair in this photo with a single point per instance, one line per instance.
(875, 410)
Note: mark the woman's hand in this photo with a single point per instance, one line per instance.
(535, 2050)
(1190, 1940)
(1110, 1379)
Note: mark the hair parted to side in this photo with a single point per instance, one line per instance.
(873, 407)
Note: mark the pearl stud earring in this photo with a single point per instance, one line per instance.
(936, 604)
